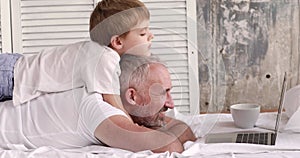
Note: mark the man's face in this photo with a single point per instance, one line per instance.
(154, 98)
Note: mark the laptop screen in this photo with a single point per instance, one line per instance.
(281, 100)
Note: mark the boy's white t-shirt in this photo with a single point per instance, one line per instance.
(62, 120)
(67, 67)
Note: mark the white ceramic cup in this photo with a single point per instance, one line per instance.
(245, 115)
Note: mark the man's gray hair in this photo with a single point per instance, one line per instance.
(135, 70)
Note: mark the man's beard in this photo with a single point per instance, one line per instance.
(151, 121)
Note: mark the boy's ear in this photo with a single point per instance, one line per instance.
(116, 42)
(131, 96)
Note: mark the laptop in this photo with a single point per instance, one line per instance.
(265, 138)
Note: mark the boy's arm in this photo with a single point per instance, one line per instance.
(119, 132)
(180, 129)
(115, 101)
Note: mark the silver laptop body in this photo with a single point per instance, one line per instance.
(266, 138)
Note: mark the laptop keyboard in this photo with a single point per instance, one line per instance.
(253, 138)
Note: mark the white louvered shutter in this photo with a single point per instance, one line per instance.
(173, 23)
(39, 24)
(5, 26)
(0, 31)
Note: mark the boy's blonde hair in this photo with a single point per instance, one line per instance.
(115, 17)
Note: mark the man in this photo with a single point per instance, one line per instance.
(76, 118)
(145, 92)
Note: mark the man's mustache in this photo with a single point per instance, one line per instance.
(163, 109)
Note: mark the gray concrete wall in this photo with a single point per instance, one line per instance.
(245, 46)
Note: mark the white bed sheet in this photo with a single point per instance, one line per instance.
(287, 144)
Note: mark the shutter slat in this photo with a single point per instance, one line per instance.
(173, 57)
(66, 15)
(178, 69)
(177, 63)
(170, 5)
(180, 95)
(182, 82)
(168, 25)
(168, 51)
(160, 1)
(50, 42)
(59, 35)
(168, 18)
(165, 31)
(168, 44)
(46, 9)
(55, 22)
(181, 101)
(52, 3)
(179, 89)
(167, 11)
(47, 29)
(179, 76)
(170, 38)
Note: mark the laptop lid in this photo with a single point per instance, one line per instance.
(280, 108)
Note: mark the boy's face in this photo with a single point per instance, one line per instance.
(138, 40)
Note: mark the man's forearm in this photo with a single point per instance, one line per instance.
(119, 132)
(178, 128)
(183, 132)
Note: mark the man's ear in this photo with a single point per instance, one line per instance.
(131, 96)
(116, 42)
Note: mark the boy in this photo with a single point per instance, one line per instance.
(117, 27)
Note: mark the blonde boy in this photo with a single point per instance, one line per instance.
(116, 27)
(123, 25)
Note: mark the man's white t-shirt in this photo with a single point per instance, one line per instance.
(62, 120)
(67, 67)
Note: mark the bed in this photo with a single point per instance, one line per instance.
(287, 144)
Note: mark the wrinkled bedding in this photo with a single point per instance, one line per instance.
(287, 144)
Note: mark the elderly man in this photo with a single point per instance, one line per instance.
(76, 118)
(145, 93)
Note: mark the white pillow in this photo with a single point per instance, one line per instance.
(291, 105)
(292, 100)
(293, 125)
